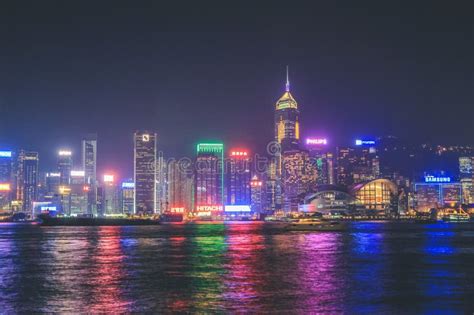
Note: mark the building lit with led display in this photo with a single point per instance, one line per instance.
(127, 192)
(145, 172)
(209, 177)
(437, 192)
(322, 158)
(161, 185)
(110, 200)
(238, 177)
(78, 193)
(298, 178)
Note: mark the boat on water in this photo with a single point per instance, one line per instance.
(312, 224)
(456, 217)
(47, 220)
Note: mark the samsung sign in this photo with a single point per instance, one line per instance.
(433, 179)
(234, 208)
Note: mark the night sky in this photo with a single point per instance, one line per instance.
(199, 71)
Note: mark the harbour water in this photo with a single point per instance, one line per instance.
(374, 267)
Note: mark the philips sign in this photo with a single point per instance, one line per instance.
(316, 141)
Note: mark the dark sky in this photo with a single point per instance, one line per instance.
(197, 70)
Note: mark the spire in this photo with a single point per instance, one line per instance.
(287, 81)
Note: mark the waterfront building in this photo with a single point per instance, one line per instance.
(436, 192)
(379, 196)
(78, 194)
(329, 199)
(89, 165)
(180, 185)
(209, 177)
(257, 195)
(27, 179)
(6, 180)
(65, 166)
(127, 192)
(238, 177)
(298, 178)
(145, 172)
(110, 200)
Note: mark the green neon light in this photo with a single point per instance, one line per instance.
(214, 148)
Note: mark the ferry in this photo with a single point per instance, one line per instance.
(456, 217)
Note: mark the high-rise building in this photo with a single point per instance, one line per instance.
(65, 166)
(145, 172)
(287, 136)
(298, 178)
(110, 198)
(27, 179)
(6, 179)
(161, 185)
(209, 177)
(89, 165)
(180, 185)
(79, 193)
(322, 159)
(436, 192)
(238, 177)
(466, 178)
(257, 194)
(127, 197)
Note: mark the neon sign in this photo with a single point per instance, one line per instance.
(316, 141)
(5, 154)
(239, 153)
(5, 187)
(177, 209)
(209, 208)
(53, 174)
(78, 173)
(48, 208)
(108, 178)
(434, 179)
(364, 142)
(128, 185)
(64, 153)
(236, 208)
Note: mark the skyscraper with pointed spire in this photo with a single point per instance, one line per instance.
(287, 135)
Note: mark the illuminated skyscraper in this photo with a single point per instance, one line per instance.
(322, 159)
(257, 194)
(466, 178)
(89, 165)
(209, 176)
(126, 196)
(79, 193)
(27, 179)
(298, 178)
(145, 172)
(110, 200)
(6, 179)
(65, 166)
(180, 185)
(287, 136)
(161, 185)
(238, 178)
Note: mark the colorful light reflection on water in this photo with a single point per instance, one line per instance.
(244, 267)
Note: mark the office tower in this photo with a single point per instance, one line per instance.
(78, 194)
(238, 177)
(209, 176)
(180, 185)
(65, 166)
(298, 178)
(256, 194)
(89, 165)
(161, 185)
(52, 183)
(466, 178)
(27, 179)
(145, 172)
(345, 161)
(322, 159)
(287, 135)
(6, 179)
(127, 193)
(110, 199)
(273, 191)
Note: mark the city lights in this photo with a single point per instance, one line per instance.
(316, 141)
(64, 153)
(108, 178)
(5, 187)
(5, 154)
(77, 173)
(237, 208)
(360, 142)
